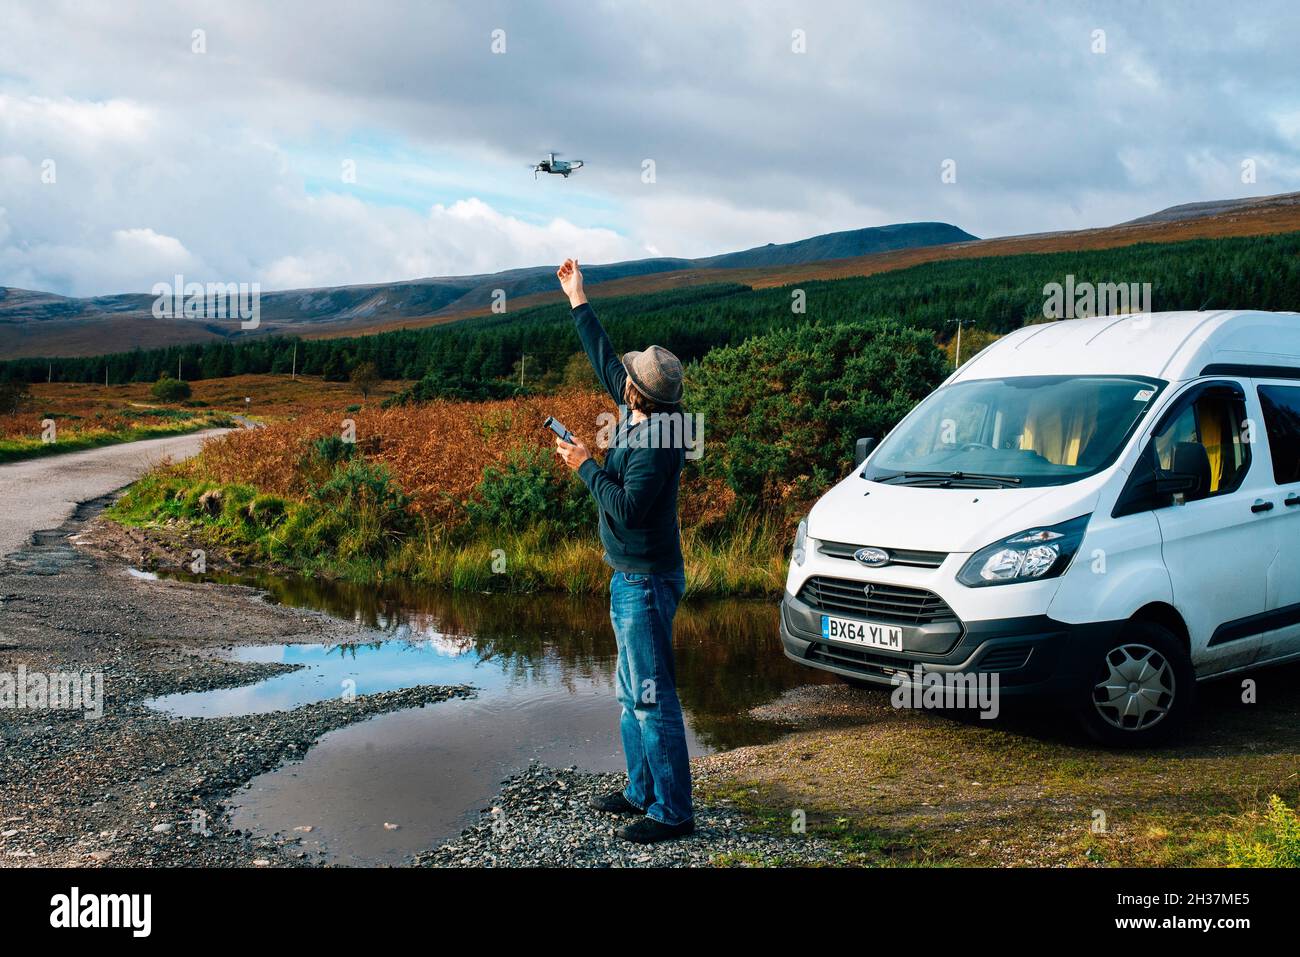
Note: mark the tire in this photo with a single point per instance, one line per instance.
(1138, 687)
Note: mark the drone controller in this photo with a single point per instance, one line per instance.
(552, 424)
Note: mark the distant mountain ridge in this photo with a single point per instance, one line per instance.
(842, 245)
(44, 324)
(1217, 207)
(385, 302)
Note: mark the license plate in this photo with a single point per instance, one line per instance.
(888, 637)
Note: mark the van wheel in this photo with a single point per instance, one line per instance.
(1139, 687)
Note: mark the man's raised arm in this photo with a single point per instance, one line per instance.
(606, 362)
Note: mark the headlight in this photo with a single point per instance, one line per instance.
(800, 543)
(1026, 556)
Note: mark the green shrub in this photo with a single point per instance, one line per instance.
(529, 489)
(1275, 844)
(168, 389)
(267, 511)
(308, 531)
(781, 411)
(331, 450)
(496, 422)
(454, 385)
(370, 508)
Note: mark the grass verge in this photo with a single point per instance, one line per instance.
(900, 788)
(356, 526)
(19, 448)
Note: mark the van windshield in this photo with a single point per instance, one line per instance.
(1013, 432)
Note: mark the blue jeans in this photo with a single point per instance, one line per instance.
(641, 607)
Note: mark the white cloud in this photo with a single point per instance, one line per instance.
(477, 234)
(354, 243)
(127, 208)
(164, 251)
(673, 222)
(226, 160)
(94, 124)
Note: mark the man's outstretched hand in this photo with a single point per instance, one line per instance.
(570, 277)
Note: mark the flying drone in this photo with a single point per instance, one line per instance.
(553, 165)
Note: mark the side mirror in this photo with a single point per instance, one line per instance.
(1150, 487)
(861, 449)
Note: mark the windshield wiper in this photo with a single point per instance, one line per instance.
(947, 478)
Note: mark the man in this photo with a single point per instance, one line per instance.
(636, 490)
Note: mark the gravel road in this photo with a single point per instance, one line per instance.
(43, 492)
(133, 787)
(126, 788)
(542, 818)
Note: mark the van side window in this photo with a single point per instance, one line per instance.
(1282, 420)
(1204, 440)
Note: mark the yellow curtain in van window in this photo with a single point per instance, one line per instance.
(1060, 434)
(1216, 436)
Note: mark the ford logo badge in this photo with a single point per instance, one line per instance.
(871, 557)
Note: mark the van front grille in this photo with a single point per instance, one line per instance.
(892, 603)
(855, 660)
(897, 556)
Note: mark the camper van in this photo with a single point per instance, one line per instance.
(1101, 512)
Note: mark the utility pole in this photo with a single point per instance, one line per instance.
(960, 323)
(178, 368)
(105, 375)
(523, 360)
(294, 374)
(49, 377)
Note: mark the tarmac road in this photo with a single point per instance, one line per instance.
(42, 493)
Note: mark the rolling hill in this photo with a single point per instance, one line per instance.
(43, 324)
(40, 323)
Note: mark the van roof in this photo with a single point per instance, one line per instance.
(1165, 345)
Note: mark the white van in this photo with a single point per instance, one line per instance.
(1103, 511)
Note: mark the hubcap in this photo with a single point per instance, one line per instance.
(1137, 689)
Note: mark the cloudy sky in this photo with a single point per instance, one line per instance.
(133, 148)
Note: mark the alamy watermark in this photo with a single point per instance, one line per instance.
(215, 300)
(1083, 300)
(948, 690)
(74, 909)
(25, 690)
(668, 430)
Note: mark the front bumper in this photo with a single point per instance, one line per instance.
(1033, 655)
